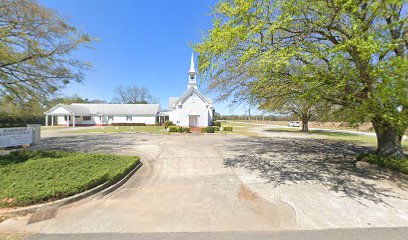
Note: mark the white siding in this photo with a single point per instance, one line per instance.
(135, 119)
(196, 104)
(95, 120)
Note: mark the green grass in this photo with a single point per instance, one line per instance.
(30, 177)
(394, 163)
(112, 129)
(356, 138)
(240, 128)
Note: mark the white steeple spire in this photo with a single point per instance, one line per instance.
(192, 70)
(192, 78)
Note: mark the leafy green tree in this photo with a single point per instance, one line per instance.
(349, 53)
(35, 48)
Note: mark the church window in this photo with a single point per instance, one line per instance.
(129, 118)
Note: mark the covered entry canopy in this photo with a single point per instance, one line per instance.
(67, 111)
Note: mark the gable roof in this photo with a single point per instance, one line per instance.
(109, 109)
(188, 93)
(70, 108)
(172, 100)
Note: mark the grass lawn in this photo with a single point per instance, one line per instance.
(111, 129)
(357, 138)
(31, 177)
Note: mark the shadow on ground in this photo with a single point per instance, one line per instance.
(104, 143)
(332, 164)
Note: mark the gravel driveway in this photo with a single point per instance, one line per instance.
(208, 183)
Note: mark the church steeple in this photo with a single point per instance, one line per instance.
(192, 76)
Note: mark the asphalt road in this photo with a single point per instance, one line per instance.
(332, 234)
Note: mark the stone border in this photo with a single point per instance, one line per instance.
(103, 188)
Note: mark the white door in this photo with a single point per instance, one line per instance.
(193, 121)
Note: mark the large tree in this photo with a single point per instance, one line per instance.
(35, 51)
(349, 53)
(133, 94)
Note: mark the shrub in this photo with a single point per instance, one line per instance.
(227, 129)
(128, 124)
(216, 123)
(395, 163)
(216, 128)
(185, 129)
(203, 130)
(10, 120)
(210, 129)
(168, 123)
(173, 128)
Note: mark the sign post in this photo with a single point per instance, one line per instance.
(36, 133)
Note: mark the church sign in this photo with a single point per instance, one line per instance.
(10, 137)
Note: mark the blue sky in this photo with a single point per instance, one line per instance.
(143, 43)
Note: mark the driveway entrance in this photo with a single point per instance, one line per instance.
(220, 182)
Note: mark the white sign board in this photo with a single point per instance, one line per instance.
(15, 136)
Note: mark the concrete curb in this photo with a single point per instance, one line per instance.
(104, 188)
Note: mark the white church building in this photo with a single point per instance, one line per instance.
(191, 109)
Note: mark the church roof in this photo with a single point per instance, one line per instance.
(172, 100)
(109, 109)
(188, 93)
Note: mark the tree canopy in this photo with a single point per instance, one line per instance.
(36, 48)
(352, 54)
(133, 94)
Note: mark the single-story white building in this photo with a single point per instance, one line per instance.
(84, 114)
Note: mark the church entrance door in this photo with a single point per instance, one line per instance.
(193, 121)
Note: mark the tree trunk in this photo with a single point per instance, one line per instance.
(388, 138)
(305, 124)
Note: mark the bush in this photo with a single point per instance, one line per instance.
(168, 123)
(216, 128)
(185, 129)
(394, 163)
(216, 123)
(174, 128)
(128, 124)
(203, 130)
(10, 120)
(210, 129)
(227, 129)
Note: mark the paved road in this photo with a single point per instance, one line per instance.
(332, 234)
(227, 183)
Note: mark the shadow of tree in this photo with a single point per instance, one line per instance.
(103, 143)
(329, 163)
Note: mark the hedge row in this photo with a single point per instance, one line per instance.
(8, 120)
(212, 129)
(179, 129)
(128, 124)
